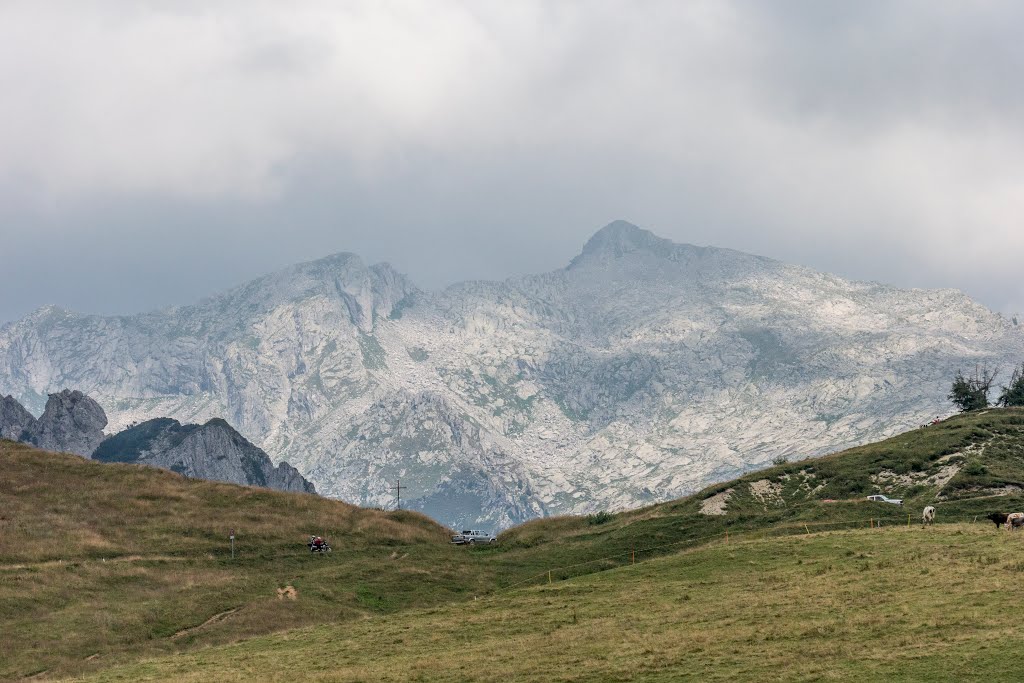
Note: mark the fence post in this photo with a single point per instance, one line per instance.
(549, 576)
(806, 529)
(633, 556)
(727, 537)
(908, 520)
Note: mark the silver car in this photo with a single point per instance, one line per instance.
(879, 498)
(472, 537)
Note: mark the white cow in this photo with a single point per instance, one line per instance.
(928, 516)
(1014, 519)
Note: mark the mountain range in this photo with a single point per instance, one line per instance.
(640, 372)
(73, 423)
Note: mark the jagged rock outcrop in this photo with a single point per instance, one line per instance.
(14, 419)
(641, 371)
(212, 451)
(72, 422)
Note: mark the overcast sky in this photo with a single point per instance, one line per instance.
(152, 153)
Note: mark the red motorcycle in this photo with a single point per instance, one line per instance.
(318, 545)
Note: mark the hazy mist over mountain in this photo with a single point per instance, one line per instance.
(156, 155)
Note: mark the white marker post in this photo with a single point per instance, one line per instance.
(232, 544)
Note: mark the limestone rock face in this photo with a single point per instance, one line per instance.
(212, 451)
(72, 422)
(642, 371)
(14, 419)
(284, 477)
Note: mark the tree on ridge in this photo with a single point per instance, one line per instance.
(1013, 395)
(971, 393)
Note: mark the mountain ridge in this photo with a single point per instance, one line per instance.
(74, 422)
(641, 371)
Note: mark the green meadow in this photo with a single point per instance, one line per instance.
(125, 572)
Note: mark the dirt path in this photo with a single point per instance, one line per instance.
(220, 616)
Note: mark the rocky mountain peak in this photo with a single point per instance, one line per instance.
(72, 422)
(214, 450)
(619, 238)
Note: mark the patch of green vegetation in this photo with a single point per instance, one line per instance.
(598, 518)
(374, 356)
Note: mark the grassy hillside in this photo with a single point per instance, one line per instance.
(109, 560)
(965, 466)
(939, 604)
(106, 563)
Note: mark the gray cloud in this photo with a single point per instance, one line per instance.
(155, 154)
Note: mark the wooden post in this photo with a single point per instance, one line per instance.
(871, 522)
(908, 520)
(727, 537)
(806, 529)
(549, 576)
(633, 556)
(232, 544)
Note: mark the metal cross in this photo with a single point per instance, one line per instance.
(398, 491)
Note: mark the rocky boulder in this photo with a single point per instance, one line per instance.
(14, 419)
(72, 422)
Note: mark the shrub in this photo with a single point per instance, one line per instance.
(975, 469)
(599, 518)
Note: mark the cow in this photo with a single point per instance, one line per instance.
(999, 518)
(928, 516)
(1014, 520)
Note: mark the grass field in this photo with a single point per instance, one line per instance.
(104, 564)
(938, 604)
(111, 561)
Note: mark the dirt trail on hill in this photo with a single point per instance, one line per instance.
(220, 616)
(126, 558)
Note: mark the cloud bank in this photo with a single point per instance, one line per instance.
(187, 146)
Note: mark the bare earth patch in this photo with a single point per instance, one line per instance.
(938, 479)
(288, 592)
(767, 492)
(715, 505)
(809, 484)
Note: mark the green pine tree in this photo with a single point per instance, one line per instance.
(1013, 395)
(971, 393)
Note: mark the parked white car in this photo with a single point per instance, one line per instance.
(472, 537)
(879, 498)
